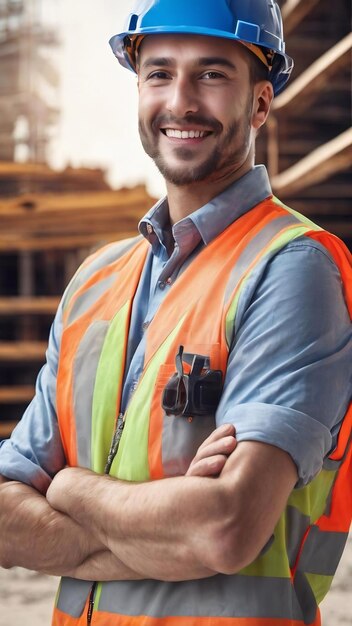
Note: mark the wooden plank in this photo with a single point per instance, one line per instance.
(334, 156)
(17, 351)
(15, 243)
(131, 202)
(16, 394)
(37, 171)
(80, 223)
(294, 11)
(6, 428)
(299, 94)
(29, 306)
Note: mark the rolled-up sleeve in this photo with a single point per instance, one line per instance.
(34, 454)
(288, 381)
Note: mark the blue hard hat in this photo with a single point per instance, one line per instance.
(255, 22)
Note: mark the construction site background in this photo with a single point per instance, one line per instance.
(52, 218)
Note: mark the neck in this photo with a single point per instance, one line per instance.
(184, 200)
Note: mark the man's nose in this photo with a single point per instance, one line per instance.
(182, 97)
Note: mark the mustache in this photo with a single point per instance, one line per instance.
(169, 121)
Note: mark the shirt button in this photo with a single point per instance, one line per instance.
(150, 229)
(145, 325)
(161, 285)
(169, 281)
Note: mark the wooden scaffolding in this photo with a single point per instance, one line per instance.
(50, 221)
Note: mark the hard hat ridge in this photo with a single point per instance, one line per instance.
(257, 23)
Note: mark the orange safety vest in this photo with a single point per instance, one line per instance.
(285, 584)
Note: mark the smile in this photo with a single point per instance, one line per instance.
(185, 134)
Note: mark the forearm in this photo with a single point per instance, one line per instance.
(35, 536)
(158, 529)
(103, 566)
(184, 527)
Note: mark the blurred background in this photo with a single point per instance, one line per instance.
(73, 175)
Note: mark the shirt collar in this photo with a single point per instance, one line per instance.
(211, 219)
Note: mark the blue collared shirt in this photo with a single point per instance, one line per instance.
(288, 381)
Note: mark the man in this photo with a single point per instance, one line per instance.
(228, 314)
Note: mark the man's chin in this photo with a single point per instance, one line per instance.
(183, 176)
(186, 173)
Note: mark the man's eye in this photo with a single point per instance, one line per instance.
(159, 75)
(212, 75)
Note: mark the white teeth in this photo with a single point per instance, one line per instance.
(184, 134)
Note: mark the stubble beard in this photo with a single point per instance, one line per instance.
(221, 158)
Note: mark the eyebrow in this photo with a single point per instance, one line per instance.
(202, 62)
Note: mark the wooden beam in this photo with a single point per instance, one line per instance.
(16, 394)
(17, 351)
(294, 11)
(129, 202)
(299, 94)
(15, 243)
(6, 428)
(77, 215)
(37, 171)
(29, 306)
(334, 156)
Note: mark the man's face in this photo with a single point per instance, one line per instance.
(195, 106)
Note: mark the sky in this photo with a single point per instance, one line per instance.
(97, 97)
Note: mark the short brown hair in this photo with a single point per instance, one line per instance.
(257, 70)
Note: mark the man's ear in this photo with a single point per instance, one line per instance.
(263, 95)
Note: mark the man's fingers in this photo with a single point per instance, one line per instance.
(218, 433)
(225, 445)
(211, 466)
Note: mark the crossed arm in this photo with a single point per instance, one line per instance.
(97, 528)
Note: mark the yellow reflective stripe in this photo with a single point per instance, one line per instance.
(311, 500)
(289, 234)
(274, 562)
(302, 218)
(131, 461)
(97, 597)
(320, 585)
(106, 389)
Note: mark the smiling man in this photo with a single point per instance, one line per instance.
(196, 108)
(229, 316)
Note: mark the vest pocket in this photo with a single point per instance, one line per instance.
(181, 438)
(174, 440)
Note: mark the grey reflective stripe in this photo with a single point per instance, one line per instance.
(296, 527)
(73, 595)
(109, 255)
(89, 297)
(305, 597)
(331, 464)
(219, 596)
(322, 552)
(254, 247)
(84, 373)
(181, 440)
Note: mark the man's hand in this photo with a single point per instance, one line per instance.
(209, 461)
(213, 453)
(35, 536)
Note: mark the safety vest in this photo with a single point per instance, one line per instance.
(285, 584)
